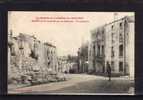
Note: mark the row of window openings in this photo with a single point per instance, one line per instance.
(120, 26)
(120, 51)
(120, 37)
(52, 52)
(120, 66)
(101, 52)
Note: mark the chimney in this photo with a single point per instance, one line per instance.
(115, 16)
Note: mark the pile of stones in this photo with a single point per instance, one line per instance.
(32, 73)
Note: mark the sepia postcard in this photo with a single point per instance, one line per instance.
(71, 53)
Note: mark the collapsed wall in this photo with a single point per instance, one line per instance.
(31, 61)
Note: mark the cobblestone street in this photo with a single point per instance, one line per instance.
(81, 83)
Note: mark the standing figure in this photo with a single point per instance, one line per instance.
(109, 71)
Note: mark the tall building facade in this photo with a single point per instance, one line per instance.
(113, 43)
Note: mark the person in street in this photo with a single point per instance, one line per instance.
(109, 71)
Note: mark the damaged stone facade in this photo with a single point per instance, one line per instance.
(64, 65)
(113, 42)
(68, 64)
(31, 61)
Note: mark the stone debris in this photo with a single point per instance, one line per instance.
(32, 62)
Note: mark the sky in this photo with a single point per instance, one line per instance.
(66, 36)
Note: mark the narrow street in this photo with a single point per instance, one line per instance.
(80, 83)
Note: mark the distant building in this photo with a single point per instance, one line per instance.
(113, 42)
(52, 58)
(83, 58)
(63, 65)
(68, 64)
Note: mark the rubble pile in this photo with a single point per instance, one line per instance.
(25, 69)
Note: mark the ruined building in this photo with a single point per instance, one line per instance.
(83, 58)
(113, 43)
(67, 64)
(63, 64)
(31, 61)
